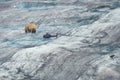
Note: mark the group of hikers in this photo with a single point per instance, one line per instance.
(31, 28)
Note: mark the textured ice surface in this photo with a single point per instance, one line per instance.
(88, 35)
(4, 0)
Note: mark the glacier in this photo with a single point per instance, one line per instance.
(88, 34)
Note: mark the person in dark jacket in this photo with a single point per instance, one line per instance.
(47, 35)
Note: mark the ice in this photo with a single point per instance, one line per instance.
(88, 35)
(4, 0)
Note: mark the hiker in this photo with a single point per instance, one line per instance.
(30, 28)
(47, 35)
